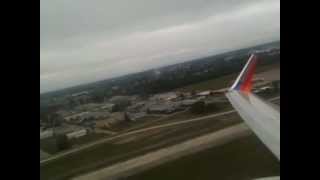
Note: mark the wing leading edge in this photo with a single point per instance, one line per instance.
(260, 116)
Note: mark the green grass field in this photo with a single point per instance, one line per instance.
(109, 153)
(49, 145)
(87, 138)
(243, 159)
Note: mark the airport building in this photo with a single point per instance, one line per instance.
(77, 134)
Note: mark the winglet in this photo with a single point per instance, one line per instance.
(243, 82)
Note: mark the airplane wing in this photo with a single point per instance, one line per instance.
(262, 117)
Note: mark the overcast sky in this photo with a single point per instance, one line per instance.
(88, 40)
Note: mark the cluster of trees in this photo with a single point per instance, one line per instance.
(62, 142)
(49, 116)
(121, 105)
(55, 144)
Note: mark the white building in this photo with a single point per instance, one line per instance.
(46, 134)
(88, 115)
(77, 116)
(77, 134)
(107, 106)
(165, 108)
(135, 116)
(204, 93)
(164, 96)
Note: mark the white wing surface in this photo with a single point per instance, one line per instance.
(261, 116)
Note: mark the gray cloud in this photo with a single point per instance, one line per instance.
(84, 41)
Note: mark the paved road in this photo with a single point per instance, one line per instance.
(138, 131)
(144, 162)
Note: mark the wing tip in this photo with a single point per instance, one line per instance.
(243, 82)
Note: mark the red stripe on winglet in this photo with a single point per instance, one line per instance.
(246, 85)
